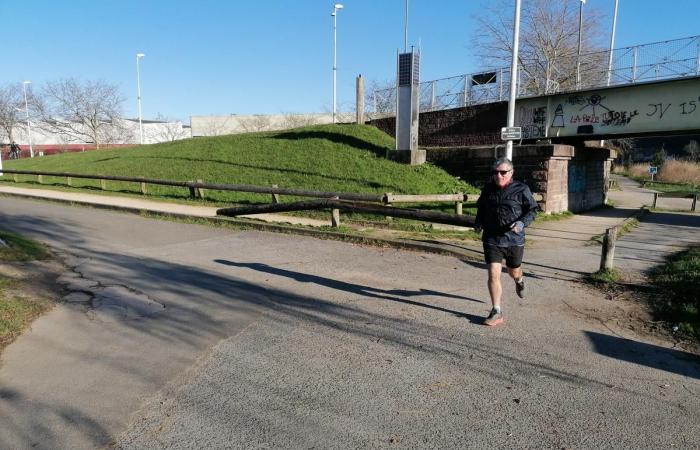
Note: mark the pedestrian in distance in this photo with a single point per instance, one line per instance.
(505, 207)
(14, 150)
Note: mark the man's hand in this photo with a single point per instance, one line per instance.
(518, 227)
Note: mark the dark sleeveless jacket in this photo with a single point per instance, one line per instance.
(499, 209)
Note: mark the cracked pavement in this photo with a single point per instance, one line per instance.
(183, 336)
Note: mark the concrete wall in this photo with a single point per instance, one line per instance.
(235, 124)
(126, 131)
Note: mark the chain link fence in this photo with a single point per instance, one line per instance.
(676, 58)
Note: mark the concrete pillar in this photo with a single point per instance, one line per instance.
(360, 99)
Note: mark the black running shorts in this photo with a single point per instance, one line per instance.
(513, 255)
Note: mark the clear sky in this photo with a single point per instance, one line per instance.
(264, 56)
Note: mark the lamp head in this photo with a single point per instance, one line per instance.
(140, 55)
(338, 6)
(26, 82)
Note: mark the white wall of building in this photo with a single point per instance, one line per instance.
(129, 133)
(235, 124)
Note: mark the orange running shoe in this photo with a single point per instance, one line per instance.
(494, 319)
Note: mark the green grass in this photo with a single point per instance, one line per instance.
(605, 277)
(542, 217)
(679, 282)
(17, 311)
(628, 225)
(337, 158)
(20, 249)
(672, 187)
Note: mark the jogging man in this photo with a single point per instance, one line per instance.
(505, 208)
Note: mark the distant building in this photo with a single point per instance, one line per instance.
(235, 124)
(123, 133)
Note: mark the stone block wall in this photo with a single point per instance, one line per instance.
(589, 172)
(468, 126)
(569, 179)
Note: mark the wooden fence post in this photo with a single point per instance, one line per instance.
(40, 179)
(458, 206)
(69, 181)
(14, 176)
(103, 184)
(275, 197)
(143, 188)
(608, 254)
(335, 216)
(695, 202)
(656, 196)
(200, 191)
(193, 192)
(388, 203)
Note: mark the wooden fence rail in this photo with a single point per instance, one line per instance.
(336, 201)
(351, 207)
(193, 185)
(691, 195)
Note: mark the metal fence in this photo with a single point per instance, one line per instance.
(676, 58)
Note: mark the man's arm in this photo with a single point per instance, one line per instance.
(478, 222)
(529, 207)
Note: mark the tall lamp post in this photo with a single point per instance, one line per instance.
(29, 125)
(578, 52)
(138, 87)
(513, 77)
(336, 8)
(612, 43)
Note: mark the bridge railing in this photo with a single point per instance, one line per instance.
(671, 59)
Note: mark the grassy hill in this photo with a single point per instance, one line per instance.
(341, 158)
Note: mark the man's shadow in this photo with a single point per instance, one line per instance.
(359, 289)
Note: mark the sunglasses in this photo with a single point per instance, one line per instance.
(502, 172)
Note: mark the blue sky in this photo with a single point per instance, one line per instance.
(263, 57)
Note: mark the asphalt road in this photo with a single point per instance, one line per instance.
(194, 337)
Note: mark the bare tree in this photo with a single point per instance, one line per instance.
(82, 111)
(292, 120)
(380, 97)
(624, 147)
(11, 106)
(692, 150)
(254, 123)
(167, 130)
(548, 42)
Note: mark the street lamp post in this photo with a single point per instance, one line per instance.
(513, 77)
(578, 52)
(138, 88)
(29, 125)
(336, 7)
(612, 43)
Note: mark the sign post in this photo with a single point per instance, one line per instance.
(653, 170)
(511, 134)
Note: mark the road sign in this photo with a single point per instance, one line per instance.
(653, 170)
(511, 133)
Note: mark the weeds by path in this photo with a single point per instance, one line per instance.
(17, 310)
(678, 300)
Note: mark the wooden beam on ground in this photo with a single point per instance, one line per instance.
(351, 207)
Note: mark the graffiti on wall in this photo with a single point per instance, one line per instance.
(533, 122)
(577, 178)
(638, 109)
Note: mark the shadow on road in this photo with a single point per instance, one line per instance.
(200, 306)
(649, 355)
(359, 289)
